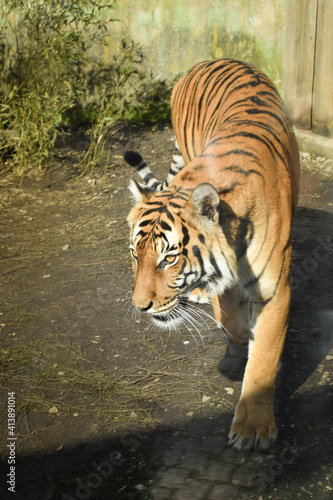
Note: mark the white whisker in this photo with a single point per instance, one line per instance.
(193, 305)
(187, 327)
(186, 316)
(199, 312)
(220, 309)
(196, 314)
(129, 307)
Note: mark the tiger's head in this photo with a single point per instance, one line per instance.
(177, 244)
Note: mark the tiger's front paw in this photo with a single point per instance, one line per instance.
(253, 425)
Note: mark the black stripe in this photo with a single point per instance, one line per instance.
(182, 197)
(256, 278)
(240, 170)
(156, 185)
(168, 214)
(264, 239)
(197, 254)
(144, 223)
(164, 225)
(186, 236)
(264, 112)
(151, 211)
(174, 205)
(238, 152)
(148, 177)
(141, 166)
(271, 131)
(227, 190)
(252, 281)
(242, 230)
(214, 264)
(183, 267)
(248, 135)
(158, 203)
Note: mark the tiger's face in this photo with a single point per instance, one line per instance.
(177, 245)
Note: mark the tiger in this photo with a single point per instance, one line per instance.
(221, 226)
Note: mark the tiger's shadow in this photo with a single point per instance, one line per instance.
(310, 332)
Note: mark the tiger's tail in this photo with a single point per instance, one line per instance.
(135, 160)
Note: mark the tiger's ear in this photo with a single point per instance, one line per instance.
(205, 200)
(139, 192)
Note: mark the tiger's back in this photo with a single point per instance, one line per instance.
(225, 108)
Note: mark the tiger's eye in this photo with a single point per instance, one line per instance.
(170, 259)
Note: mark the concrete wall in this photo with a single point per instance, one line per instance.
(175, 34)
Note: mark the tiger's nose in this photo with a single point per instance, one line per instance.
(143, 307)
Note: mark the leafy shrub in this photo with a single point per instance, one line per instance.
(151, 103)
(42, 45)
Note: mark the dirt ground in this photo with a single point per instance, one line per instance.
(107, 407)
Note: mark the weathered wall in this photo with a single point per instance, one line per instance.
(175, 34)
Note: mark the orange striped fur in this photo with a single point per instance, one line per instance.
(221, 229)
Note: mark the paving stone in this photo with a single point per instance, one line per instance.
(214, 444)
(161, 494)
(217, 471)
(186, 444)
(172, 457)
(226, 492)
(193, 490)
(194, 461)
(244, 476)
(173, 478)
(230, 455)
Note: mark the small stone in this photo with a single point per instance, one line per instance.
(65, 247)
(229, 390)
(133, 415)
(53, 410)
(205, 399)
(190, 414)
(139, 487)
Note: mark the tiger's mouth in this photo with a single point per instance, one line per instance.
(182, 313)
(172, 317)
